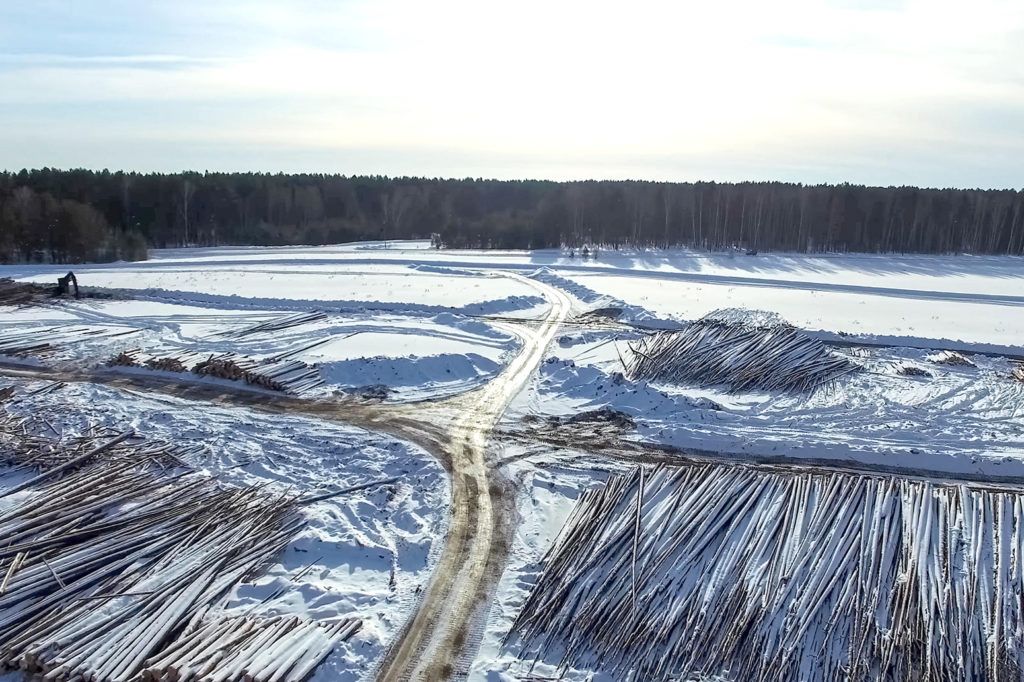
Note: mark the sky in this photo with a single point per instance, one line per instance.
(881, 93)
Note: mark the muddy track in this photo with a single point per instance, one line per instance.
(439, 636)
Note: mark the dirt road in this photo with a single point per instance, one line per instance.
(477, 542)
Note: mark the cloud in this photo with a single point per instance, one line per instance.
(915, 93)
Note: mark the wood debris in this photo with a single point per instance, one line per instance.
(738, 350)
(690, 572)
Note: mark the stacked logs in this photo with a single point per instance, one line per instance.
(286, 649)
(20, 343)
(276, 374)
(114, 566)
(227, 366)
(279, 323)
(949, 357)
(21, 293)
(41, 341)
(288, 376)
(685, 573)
(737, 354)
(126, 358)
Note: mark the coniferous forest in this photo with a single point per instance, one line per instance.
(80, 215)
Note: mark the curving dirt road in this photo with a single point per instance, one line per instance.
(455, 430)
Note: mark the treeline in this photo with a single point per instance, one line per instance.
(80, 215)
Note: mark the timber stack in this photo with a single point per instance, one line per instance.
(279, 323)
(117, 564)
(743, 350)
(691, 572)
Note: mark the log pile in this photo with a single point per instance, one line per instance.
(276, 374)
(285, 649)
(168, 364)
(21, 293)
(227, 366)
(115, 567)
(126, 358)
(287, 376)
(20, 343)
(685, 573)
(743, 354)
(279, 323)
(952, 358)
(41, 341)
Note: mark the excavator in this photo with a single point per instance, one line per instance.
(64, 285)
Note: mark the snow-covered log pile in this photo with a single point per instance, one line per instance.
(114, 563)
(677, 573)
(740, 349)
(279, 323)
(277, 374)
(285, 649)
(40, 341)
(951, 357)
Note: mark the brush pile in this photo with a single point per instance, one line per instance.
(912, 371)
(116, 563)
(744, 350)
(682, 573)
(1018, 372)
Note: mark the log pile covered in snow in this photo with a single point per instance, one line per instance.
(276, 374)
(741, 349)
(41, 341)
(116, 564)
(279, 323)
(678, 573)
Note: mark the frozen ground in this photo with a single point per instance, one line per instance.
(411, 317)
(370, 552)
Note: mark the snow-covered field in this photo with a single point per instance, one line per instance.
(416, 320)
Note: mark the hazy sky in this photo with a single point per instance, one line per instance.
(927, 93)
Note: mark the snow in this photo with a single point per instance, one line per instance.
(932, 315)
(415, 319)
(960, 421)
